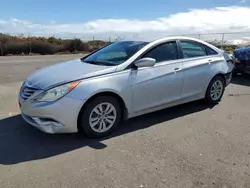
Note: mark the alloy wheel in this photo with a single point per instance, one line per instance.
(102, 117)
(216, 90)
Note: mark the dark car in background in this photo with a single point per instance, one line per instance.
(242, 60)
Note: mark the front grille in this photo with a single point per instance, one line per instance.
(27, 92)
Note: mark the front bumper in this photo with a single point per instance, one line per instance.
(52, 117)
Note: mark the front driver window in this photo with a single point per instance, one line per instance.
(164, 52)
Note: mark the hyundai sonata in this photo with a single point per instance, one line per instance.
(123, 80)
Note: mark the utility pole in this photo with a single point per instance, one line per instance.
(30, 44)
(222, 41)
(75, 43)
(1, 48)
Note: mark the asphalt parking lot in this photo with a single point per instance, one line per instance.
(188, 146)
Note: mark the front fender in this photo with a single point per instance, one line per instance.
(117, 83)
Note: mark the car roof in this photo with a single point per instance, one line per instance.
(165, 39)
(187, 38)
(179, 38)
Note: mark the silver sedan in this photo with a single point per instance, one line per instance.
(123, 80)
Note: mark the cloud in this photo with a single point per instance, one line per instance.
(219, 19)
(244, 1)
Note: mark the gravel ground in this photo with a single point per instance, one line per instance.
(188, 146)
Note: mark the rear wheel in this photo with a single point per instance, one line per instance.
(215, 90)
(100, 116)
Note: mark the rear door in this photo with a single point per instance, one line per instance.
(196, 67)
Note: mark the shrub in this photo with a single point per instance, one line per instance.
(75, 45)
(33, 47)
(44, 48)
(18, 45)
(16, 48)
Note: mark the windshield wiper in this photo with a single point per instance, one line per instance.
(98, 62)
(90, 62)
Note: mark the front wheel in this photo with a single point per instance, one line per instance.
(215, 90)
(100, 116)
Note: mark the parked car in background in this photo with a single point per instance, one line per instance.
(242, 60)
(121, 81)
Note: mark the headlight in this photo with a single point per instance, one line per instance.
(55, 93)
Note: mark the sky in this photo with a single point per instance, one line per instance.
(128, 19)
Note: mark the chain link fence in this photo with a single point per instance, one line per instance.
(76, 42)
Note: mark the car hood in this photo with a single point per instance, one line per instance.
(65, 72)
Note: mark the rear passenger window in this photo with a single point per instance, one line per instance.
(164, 52)
(210, 51)
(192, 49)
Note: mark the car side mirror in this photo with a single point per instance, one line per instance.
(145, 62)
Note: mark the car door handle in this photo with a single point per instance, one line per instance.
(177, 69)
(210, 61)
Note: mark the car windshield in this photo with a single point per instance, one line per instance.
(114, 54)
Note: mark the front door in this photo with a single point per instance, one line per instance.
(161, 84)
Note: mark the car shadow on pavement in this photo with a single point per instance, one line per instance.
(20, 142)
(243, 80)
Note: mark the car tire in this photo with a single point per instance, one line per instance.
(215, 90)
(94, 119)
